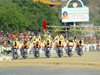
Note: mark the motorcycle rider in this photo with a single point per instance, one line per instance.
(60, 41)
(37, 47)
(39, 39)
(16, 46)
(56, 38)
(34, 39)
(15, 43)
(48, 46)
(37, 44)
(70, 43)
(25, 46)
(62, 37)
(48, 43)
(80, 43)
(60, 46)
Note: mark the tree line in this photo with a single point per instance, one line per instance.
(22, 15)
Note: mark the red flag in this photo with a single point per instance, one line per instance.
(45, 25)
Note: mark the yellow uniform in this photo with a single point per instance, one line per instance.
(37, 44)
(28, 43)
(48, 43)
(57, 37)
(15, 44)
(21, 44)
(34, 39)
(70, 43)
(60, 43)
(49, 37)
(61, 37)
(39, 39)
(80, 42)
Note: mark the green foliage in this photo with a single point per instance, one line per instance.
(11, 18)
(21, 15)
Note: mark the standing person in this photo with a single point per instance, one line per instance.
(98, 46)
(86, 46)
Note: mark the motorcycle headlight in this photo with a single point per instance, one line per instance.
(60, 48)
(36, 49)
(48, 48)
(24, 49)
(14, 49)
(70, 47)
(80, 47)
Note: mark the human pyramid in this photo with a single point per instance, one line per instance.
(47, 44)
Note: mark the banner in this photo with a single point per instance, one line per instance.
(75, 14)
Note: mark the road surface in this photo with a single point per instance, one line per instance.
(49, 70)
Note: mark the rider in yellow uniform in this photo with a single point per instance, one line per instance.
(39, 39)
(48, 43)
(80, 42)
(34, 39)
(15, 44)
(37, 44)
(62, 37)
(61, 41)
(56, 39)
(21, 43)
(28, 42)
(70, 43)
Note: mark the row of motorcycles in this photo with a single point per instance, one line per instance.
(69, 51)
(24, 53)
(36, 53)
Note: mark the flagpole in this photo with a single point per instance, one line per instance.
(44, 31)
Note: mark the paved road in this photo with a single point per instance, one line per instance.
(49, 70)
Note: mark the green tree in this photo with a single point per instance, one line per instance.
(37, 12)
(21, 15)
(11, 18)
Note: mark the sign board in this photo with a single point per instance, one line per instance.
(75, 14)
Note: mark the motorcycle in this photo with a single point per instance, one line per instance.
(80, 50)
(70, 53)
(24, 53)
(15, 53)
(48, 53)
(36, 52)
(60, 51)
